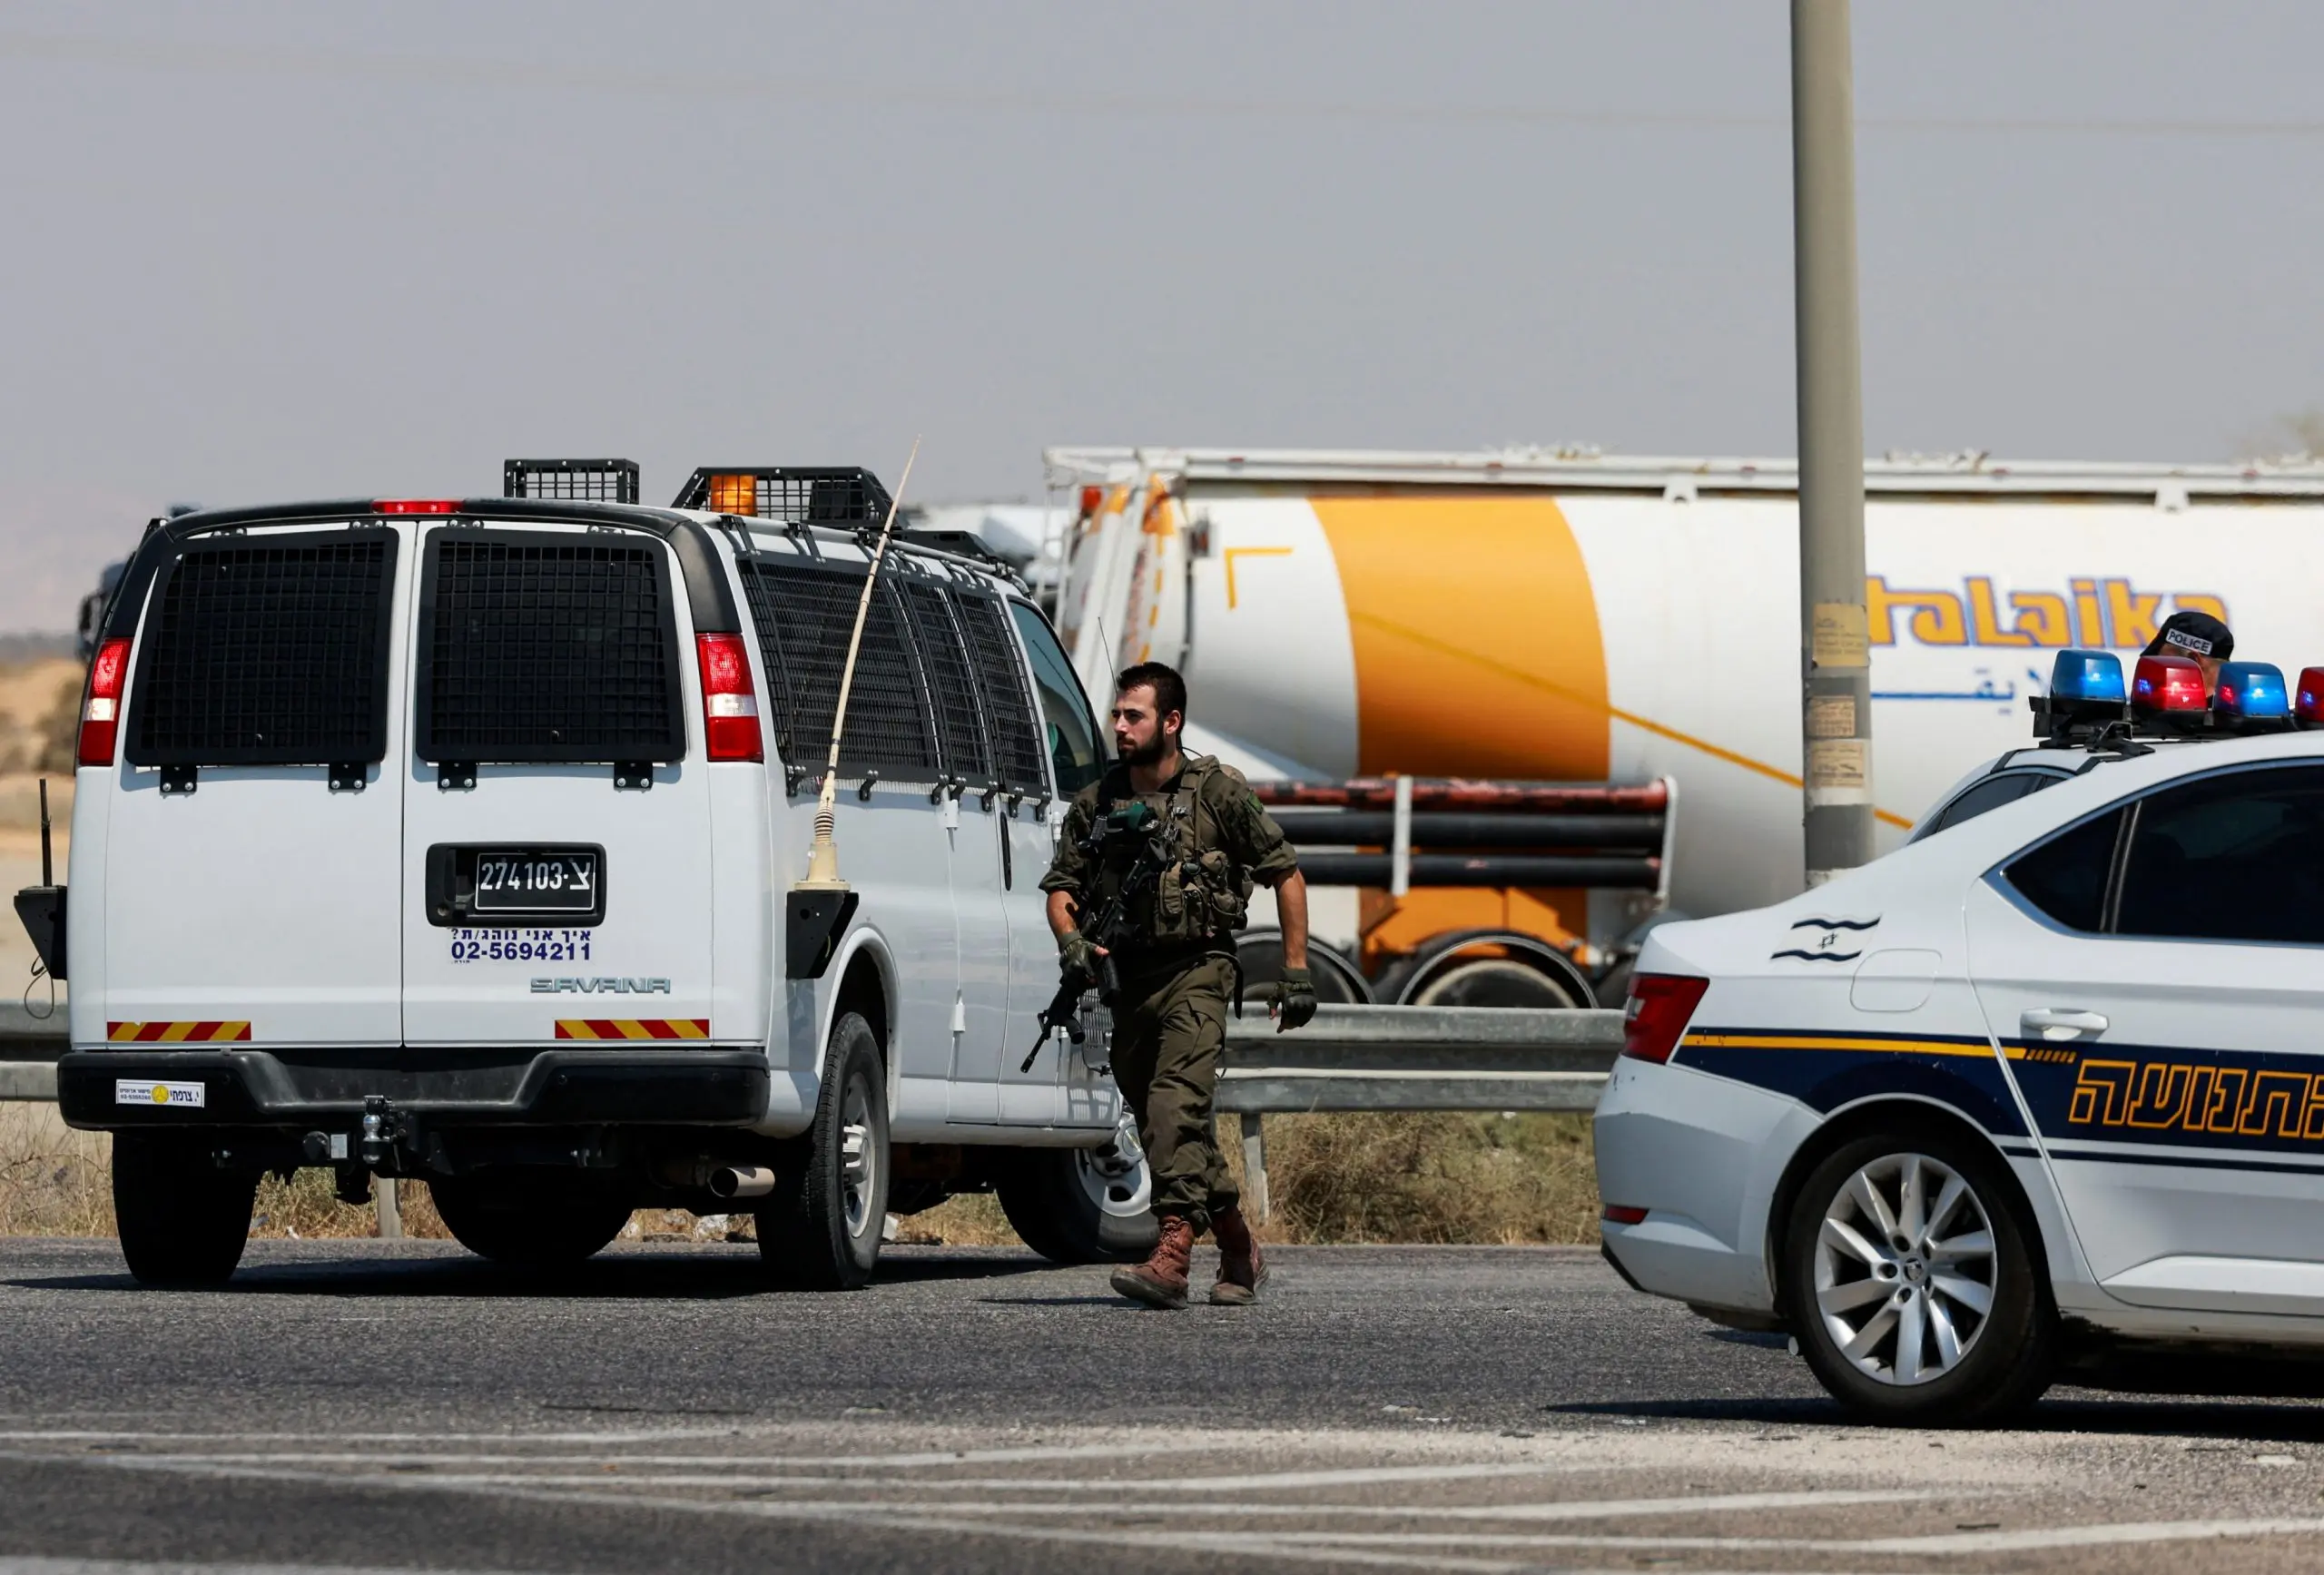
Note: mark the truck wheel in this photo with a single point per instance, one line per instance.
(525, 1224)
(183, 1221)
(1914, 1282)
(821, 1229)
(1080, 1206)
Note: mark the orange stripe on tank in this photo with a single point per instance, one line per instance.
(1447, 643)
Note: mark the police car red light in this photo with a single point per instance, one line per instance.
(1656, 1013)
(416, 505)
(2169, 684)
(2308, 699)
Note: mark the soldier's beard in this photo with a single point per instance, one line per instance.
(1148, 753)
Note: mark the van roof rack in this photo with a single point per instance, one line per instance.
(843, 496)
(580, 480)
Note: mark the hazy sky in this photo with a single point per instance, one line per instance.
(258, 251)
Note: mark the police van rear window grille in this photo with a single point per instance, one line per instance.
(1000, 683)
(951, 680)
(548, 648)
(268, 653)
(804, 617)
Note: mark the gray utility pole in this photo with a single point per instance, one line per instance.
(1834, 665)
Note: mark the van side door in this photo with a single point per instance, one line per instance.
(1067, 756)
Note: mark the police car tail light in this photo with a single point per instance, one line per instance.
(416, 505)
(730, 707)
(101, 712)
(2090, 675)
(2252, 692)
(2168, 684)
(2308, 699)
(1657, 1012)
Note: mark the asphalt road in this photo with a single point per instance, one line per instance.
(402, 1406)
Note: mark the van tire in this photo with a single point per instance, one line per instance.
(524, 1223)
(1046, 1194)
(821, 1229)
(184, 1221)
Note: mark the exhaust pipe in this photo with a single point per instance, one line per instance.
(741, 1181)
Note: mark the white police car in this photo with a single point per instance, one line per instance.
(2055, 1069)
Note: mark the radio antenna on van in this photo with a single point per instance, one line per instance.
(823, 859)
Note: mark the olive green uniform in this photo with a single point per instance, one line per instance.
(1178, 972)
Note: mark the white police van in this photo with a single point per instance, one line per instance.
(2048, 1080)
(453, 838)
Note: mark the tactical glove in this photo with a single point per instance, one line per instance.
(1077, 960)
(1295, 1000)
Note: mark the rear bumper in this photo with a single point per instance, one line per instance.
(310, 1088)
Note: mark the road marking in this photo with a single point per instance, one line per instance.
(1029, 1452)
(2114, 1534)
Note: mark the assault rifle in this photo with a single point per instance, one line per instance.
(1130, 826)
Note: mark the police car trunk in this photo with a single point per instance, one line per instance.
(402, 806)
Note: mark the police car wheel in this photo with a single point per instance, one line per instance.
(527, 1222)
(820, 1228)
(1913, 1281)
(183, 1221)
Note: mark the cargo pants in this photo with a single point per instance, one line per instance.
(1168, 1032)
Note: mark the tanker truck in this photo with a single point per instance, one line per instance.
(1568, 617)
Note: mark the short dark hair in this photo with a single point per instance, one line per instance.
(1169, 689)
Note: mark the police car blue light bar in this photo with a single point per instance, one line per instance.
(2251, 692)
(2093, 675)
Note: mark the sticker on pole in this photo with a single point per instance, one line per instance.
(180, 1096)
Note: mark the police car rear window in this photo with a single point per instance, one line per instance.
(542, 647)
(267, 652)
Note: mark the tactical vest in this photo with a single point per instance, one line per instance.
(1201, 893)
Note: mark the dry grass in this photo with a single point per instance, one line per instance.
(1471, 1180)
(1489, 1180)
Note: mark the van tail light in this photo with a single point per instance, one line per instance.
(1657, 1012)
(416, 505)
(730, 707)
(101, 712)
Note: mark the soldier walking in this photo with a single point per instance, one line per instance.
(1177, 968)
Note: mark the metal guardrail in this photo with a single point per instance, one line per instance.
(1351, 1058)
(29, 1045)
(1410, 1058)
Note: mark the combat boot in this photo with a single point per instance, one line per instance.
(1161, 1280)
(1242, 1267)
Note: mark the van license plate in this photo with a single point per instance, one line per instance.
(523, 882)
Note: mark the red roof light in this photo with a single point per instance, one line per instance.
(2169, 684)
(416, 505)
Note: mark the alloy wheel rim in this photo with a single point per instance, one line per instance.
(1905, 1270)
(858, 1172)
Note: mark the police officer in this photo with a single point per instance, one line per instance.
(2198, 635)
(1177, 967)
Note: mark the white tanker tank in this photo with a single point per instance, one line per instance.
(1571, 618)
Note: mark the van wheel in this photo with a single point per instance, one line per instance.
(1080, 1206)
(183, 1221)
(821, 1229)
(524, 1223)
(1913, 1282)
